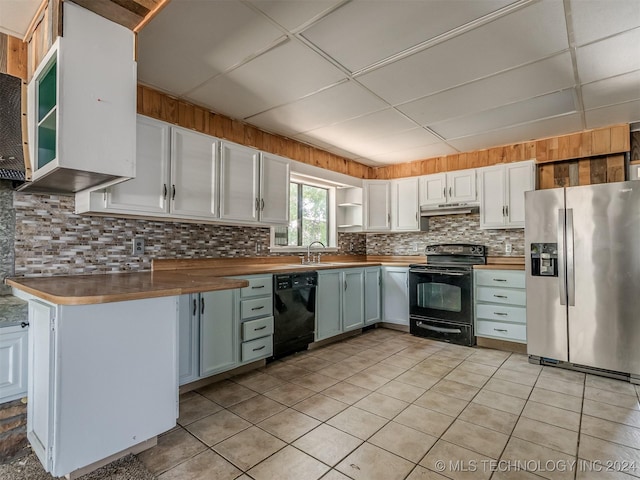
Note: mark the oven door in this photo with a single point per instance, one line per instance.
(441, 294)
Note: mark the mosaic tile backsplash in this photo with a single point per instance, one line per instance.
(7, 232)
(50, 239)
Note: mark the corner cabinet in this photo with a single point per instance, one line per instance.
(395, 299)
(502, 190)
(82, 105)
(85, 359)
(254, 186)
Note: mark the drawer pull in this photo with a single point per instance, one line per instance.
(260, 328)
(255, 287)
(259, 348)
(257, 308)
(500, 296)
(500, 330)
(499, 280)
(502, 314)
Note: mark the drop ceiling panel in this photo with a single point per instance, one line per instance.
(291, 15)
(284, 74)
(545, 106)
(622, 113)
(412, 154)
(596, 19)
(555, 73)
(524, 36)
(189, 42)
(342, 102)
(361, 33)
(417, 137)
(606, 58)
(521, 133)
(610, 91)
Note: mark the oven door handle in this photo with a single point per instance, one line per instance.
(438, 329)
(439, 272)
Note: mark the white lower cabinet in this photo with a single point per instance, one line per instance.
(218, 332)
(340, 302)
(372, 287)
(13, 358)
(256, 318)
(102, 379)
(395, 300)
(500, 305)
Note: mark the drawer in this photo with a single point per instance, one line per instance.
(501, 313)
(256, 307)
(255, 349)
(257, 328)
(508, 331)
(500, 278)
(501, 295)
(257, 286)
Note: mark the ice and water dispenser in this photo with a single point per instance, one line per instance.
(544, 259)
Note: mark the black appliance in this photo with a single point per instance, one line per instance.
(441, 293)
(294, 310)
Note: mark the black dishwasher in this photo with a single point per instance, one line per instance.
(294, 310)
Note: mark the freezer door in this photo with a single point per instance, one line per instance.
(546, 299)
(603, 279)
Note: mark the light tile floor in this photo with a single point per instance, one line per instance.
(386, 405)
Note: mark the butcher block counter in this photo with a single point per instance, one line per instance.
(502, 263)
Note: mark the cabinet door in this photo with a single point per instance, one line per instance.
(13, 358)
(218, 338)
(372, 281)
(148, 191)
(520, 178)
(433, 189)
(328, 306)
(492, 205)
(188, 336)
(377, 205)
(274, 190)
(193, 174)
(395, 288)
(461, 186)
(404, 203)
(353, 299)
(239, 199)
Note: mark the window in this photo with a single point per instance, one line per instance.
(312, 215)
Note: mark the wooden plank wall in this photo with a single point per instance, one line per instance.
(43, 31)
(13, 56)
(601, 141)
(583, 171)
(161, 106)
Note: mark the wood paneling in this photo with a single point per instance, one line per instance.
(584, 171)
(43, 31)
(601, 141)
(133, 14)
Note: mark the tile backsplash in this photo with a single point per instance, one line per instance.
(50, 239)
(7, 233)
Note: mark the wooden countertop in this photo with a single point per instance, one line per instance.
(502, 263)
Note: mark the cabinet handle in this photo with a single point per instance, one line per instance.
(449, 191)
(257, 308)
(260, 328)
(500, 296)
(257, 286)
(164, 191)
(506, 209)
(502, 314)
(262, 204)
(503, 210)
(499, 280)
(259, 348)
(345, 285)
(201, 306)
(388, 218)
(257, 204)
(500, 330)
(173, 192)
(195, 307)
(444, 192)
(24, 324)
(416, 216)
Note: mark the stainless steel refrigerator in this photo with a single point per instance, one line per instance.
(582, 255)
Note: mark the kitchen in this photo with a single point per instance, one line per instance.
(51, 236)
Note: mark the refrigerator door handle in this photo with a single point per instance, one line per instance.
(571, 281)
(562, 277)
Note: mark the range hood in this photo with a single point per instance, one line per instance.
(448, 209)
(11, 146)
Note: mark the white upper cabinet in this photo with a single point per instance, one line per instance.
(82, 105)
(404, 204)
(451, 187)
(193, 174)
(502, 190)
(254, 187)
(274, 189)
(377, 205)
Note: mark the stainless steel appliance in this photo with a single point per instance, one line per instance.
(441, 293)
(294, 310)
(582, 247)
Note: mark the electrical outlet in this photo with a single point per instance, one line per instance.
(138, 246)
(415, 247)
(507, 247)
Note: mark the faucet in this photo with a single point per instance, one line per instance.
(309, 251)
